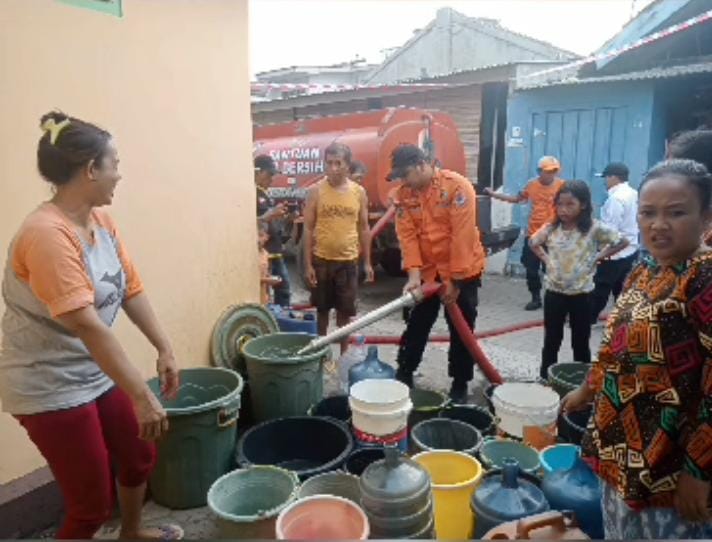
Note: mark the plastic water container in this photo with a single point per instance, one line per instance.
(322, 517)
(370, 368)
(380, 407)
(294, 321)
(246, 502)
(520, 405)
(455, 476)
(356, 353)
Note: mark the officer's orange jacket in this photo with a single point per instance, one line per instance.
(437, 228)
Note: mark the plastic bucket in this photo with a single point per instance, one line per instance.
(559, 457)
(322, 517)
(361, 458)
(566, 377)
(379, 396)
(476, 416)
(367, 440)
(336, 483)
(381, 423)
(336, 406)
(445, 434)
(487, 395)
(494, 451)
(427, 404)
(521, 405)
(200, 444)
(307, 445)
(572, 425)
(246, 502)
(282, 383)
(380, 407)
(294, 321)
(454, 476)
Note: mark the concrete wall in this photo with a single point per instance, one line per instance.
(586, 126)
(170, 80)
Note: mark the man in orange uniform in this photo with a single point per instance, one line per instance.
(540, 192)
(436, 224)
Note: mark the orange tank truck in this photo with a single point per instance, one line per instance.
(298, 148)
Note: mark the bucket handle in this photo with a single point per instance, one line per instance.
(552, 519)
(229, 413)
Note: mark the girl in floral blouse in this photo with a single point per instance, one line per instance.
(650, 437)
(575, 243)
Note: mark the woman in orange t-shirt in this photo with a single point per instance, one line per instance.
(63, 374)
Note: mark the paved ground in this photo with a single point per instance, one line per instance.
(516, 356)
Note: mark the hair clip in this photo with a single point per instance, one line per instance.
(54, 128)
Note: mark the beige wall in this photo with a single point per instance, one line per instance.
(170, 81)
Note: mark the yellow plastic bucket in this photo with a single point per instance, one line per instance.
(455, 476)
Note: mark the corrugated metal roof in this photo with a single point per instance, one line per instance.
(655, 73)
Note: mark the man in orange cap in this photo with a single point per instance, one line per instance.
(540, 192)
(436, 224)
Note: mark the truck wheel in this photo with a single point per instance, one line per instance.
(391, 262)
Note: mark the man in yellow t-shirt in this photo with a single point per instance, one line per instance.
(335, 231)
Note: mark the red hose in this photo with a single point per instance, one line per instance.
(382, 222)
(466, 335)
(470, 342)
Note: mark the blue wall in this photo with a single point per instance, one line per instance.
(585, 126)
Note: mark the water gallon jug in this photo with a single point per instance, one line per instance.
(370, 368)
(397, 498)
(356, 353)
(577, 489)
(506, 495)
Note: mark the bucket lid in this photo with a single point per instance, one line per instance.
(509, 493)
(395, 477)
(524, 395)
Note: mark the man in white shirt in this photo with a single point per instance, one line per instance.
(620, 212)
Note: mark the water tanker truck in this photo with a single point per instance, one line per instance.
(298, 149)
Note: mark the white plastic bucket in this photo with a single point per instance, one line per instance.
(381, 424)
(379, 395)
(380, 407)
(521, 404)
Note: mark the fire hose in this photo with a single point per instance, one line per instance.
(409, 299)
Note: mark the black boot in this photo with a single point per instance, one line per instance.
(534, 304)
(458, 392)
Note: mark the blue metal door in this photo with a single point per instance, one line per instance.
(584, 140)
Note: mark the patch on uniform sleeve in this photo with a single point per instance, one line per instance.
(460, 199)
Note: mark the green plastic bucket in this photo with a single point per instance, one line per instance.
(566, 377)
(246, 502)
(200, 444)
(494, 452)
(283, 384)
(427, 404)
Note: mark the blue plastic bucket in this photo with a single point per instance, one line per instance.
(294, 321)
(559, 457)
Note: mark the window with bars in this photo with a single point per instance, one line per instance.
(112, 7)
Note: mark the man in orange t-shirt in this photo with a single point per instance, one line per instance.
(436, 224)
(540, 192)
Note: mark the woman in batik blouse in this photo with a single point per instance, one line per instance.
(650, 435)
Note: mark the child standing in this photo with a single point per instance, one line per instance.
(575, 243)
(266, 280)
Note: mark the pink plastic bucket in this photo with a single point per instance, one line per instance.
(322, 517)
